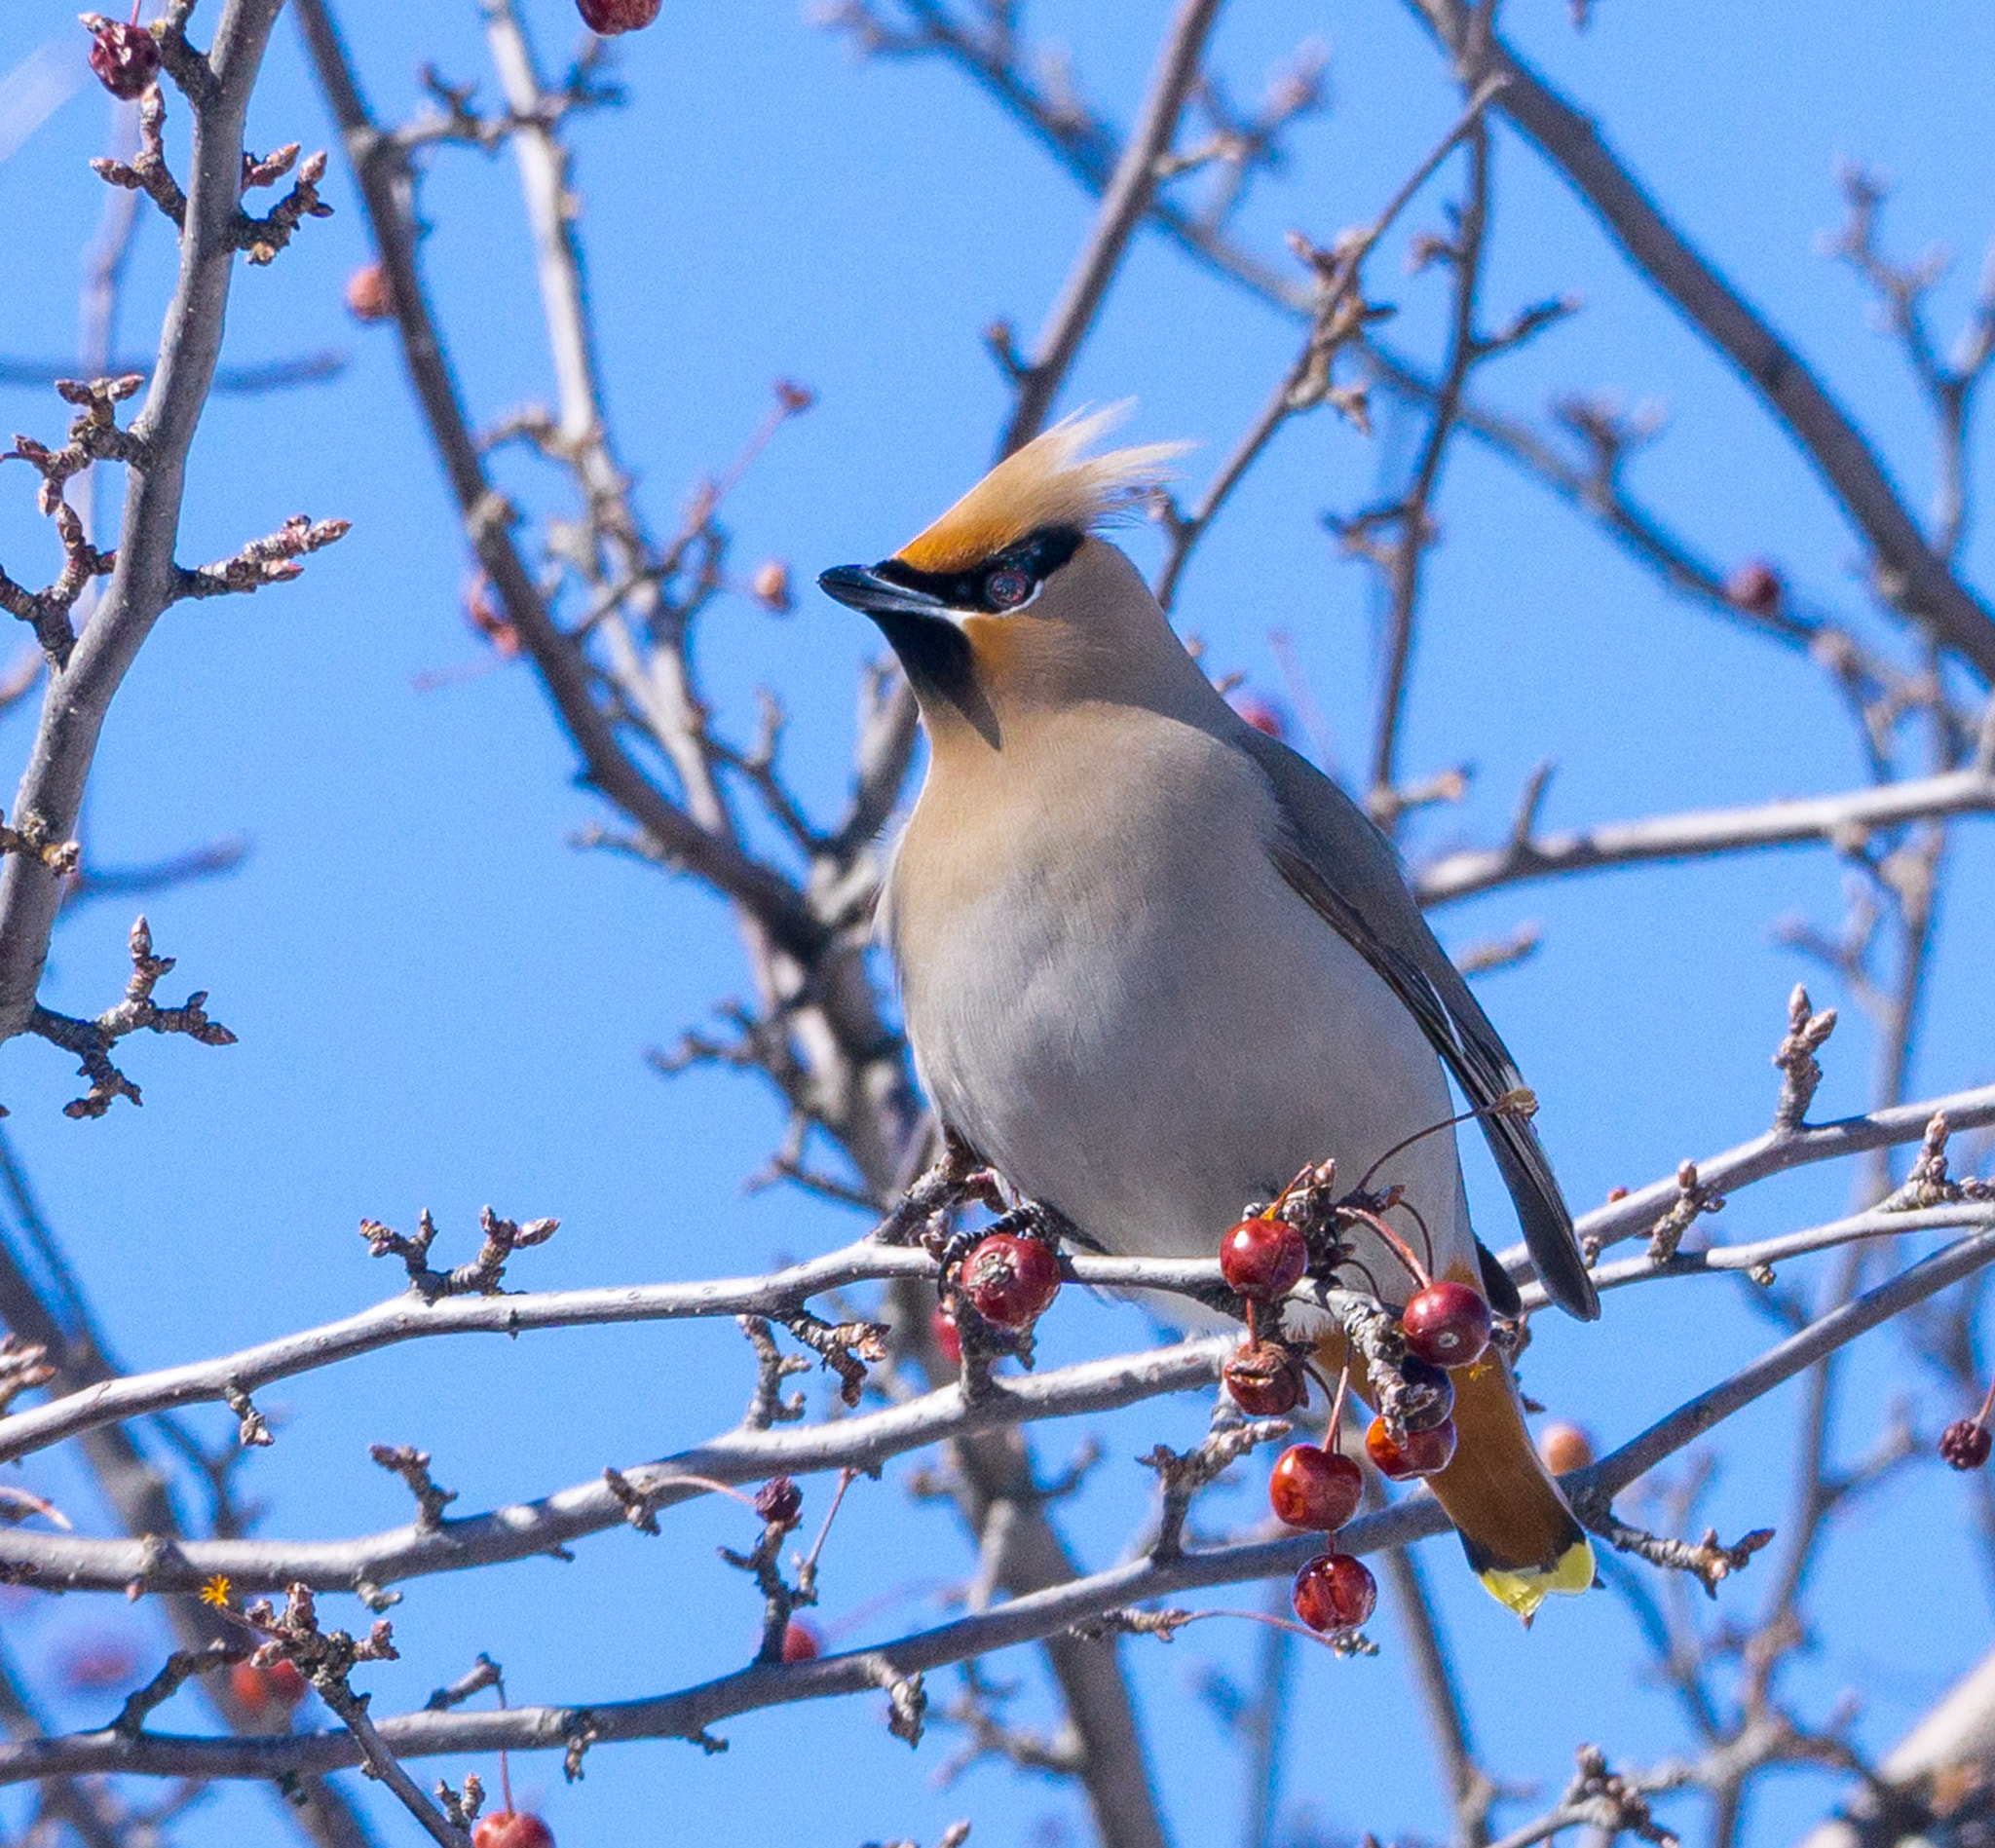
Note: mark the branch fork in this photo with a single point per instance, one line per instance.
(91, 1040)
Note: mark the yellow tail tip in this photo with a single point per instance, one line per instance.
(1525, 1590)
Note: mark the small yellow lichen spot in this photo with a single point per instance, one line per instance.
(216, 1591)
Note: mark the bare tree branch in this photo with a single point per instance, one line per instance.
(1909, 573)
(80, 693)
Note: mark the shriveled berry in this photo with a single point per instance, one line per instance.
(1423, 1452)
(1447, 1323)
(1756, 586)
(1314, 1487)
(1429, 1397)
(366, 294)
(1965, 1444)
(948, 1336)
(1011, 1279)
(1265, 1380)
(277, 1688)
(512, 1829)
(1263, 1257)
(610, 17)
(1335, 1591)
(1565, 1446)
(802, 1642)
(126, 57)
(779, 1502)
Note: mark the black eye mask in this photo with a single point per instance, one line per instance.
(1003, 582)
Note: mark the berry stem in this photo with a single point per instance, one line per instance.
(1399, 1246)
(844, 1482)
(1510, 1104)
(1988, 1406)
(1337, 1407)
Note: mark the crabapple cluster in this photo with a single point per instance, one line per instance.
(1316, 1488)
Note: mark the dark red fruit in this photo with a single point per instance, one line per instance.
(1429, 1397)
(1267, 1381)
(610, 17)
(1423, 1454)
(125, 58)
(779, 1502)
(1314, 1487)
(1965, 1444)
(1010, 1279)
(802, 1642)
(1335, 1591)
(512, 1829)
(948, 1336)
(1756, 586)
(1262, 1258)
(280, 1686)
(1447, 1324)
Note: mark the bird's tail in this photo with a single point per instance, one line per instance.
(1521, 1536)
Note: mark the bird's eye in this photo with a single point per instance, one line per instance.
(1007, 589)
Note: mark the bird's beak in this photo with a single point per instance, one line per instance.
(861, 588)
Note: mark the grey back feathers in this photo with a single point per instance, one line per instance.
(1335, 858)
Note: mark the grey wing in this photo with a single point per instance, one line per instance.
(1333, 856)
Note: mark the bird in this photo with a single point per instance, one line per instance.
(1153, 962)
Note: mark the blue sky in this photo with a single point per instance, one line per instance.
(440, 1003)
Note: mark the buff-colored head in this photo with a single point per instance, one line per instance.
(1009, 601)
(1050, 483)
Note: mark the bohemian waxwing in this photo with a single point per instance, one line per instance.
(1153, 963)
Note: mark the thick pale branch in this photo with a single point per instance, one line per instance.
(529, 1529)
(685, 1715)
(408, 1317)
(1843, 822)
(1634, 1214)
(80, 693)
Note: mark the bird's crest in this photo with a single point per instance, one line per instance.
(1049, 482)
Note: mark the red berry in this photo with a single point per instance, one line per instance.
(1565, 1448)
(366, 294)
(1423, 1454)
(1261, 714)
(610, 17)
(1314, 1487)
(1447, 1324)
(1010, 1279)
(125, 58)
(280, 1686)
(802, 1642)
(1266, 1381)
(1756, 586)
(1965, 1444)
(1335, 1591)
(1429, 1397)
(512, 1829)
(948, 1336)
(779, 1502)
(1262, 1258)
